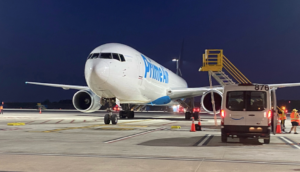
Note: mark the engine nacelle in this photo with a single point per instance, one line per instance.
(86, 101)
(206, 101)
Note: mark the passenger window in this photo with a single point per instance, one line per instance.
(95, 55)
(116, 56)
(105, 56)
(122, 58)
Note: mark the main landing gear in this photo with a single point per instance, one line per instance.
(188, 115)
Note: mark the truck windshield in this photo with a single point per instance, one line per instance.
(246, 100)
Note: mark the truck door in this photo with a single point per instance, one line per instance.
(274, 119)
(256, 108)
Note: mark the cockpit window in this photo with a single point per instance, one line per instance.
(106, 56)
(95, 55)
(90, 56)
(116, 56)
(122, 58)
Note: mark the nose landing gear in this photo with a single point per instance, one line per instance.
(110, 116)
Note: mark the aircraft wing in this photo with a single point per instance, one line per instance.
(284, 85)
(65, 87)
(176, 93)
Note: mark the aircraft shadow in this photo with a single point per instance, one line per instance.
(194, 141)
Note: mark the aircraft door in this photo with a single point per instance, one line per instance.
(141, 70)
(274, 119)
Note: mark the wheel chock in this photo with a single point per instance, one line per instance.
(175, 127)
(15, 124)
(198, 127)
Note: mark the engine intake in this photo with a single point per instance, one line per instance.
(206, 101)
(86, 101)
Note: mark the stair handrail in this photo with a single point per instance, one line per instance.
(243, 76)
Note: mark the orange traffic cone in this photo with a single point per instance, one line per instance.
(199, 123)
(40, 110)
(278, 128)
(193, 126)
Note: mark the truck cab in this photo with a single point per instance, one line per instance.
(248, 111)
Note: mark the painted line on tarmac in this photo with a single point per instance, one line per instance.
(45, 122)
(289, 142)
(159, 158)
(85, 127)
(295, 144)
(169, 123)
(58, 121)
(133, 135)
(204, 140)
(72, 121)
(208, 140)
(29, 122)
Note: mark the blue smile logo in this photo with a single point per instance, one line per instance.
(157, 73)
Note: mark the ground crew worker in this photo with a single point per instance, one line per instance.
(1, 109)
(294, 120)
(282, 117)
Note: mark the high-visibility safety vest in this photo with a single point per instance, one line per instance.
(294, 117)
(282, 116)
(1, 107)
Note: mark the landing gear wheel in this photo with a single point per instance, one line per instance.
(130, 114)
(106, 119)
(114, 118)
(187, 115)
(196, 115)
(122, 114)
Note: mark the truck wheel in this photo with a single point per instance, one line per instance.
(266, 141)
(224, 138)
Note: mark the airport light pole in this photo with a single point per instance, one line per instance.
(176, 60)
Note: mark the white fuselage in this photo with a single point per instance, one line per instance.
(138, 79)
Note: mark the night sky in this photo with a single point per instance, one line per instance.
(49, 41)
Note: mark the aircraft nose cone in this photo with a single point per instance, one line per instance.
(96, 72)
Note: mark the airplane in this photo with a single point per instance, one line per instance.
(117, 73)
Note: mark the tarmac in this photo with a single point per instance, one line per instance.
(73, 141)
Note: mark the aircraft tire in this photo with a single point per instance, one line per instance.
(114, 119)
(106, 119)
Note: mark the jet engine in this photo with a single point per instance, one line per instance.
(206, 101)
(86, 101)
